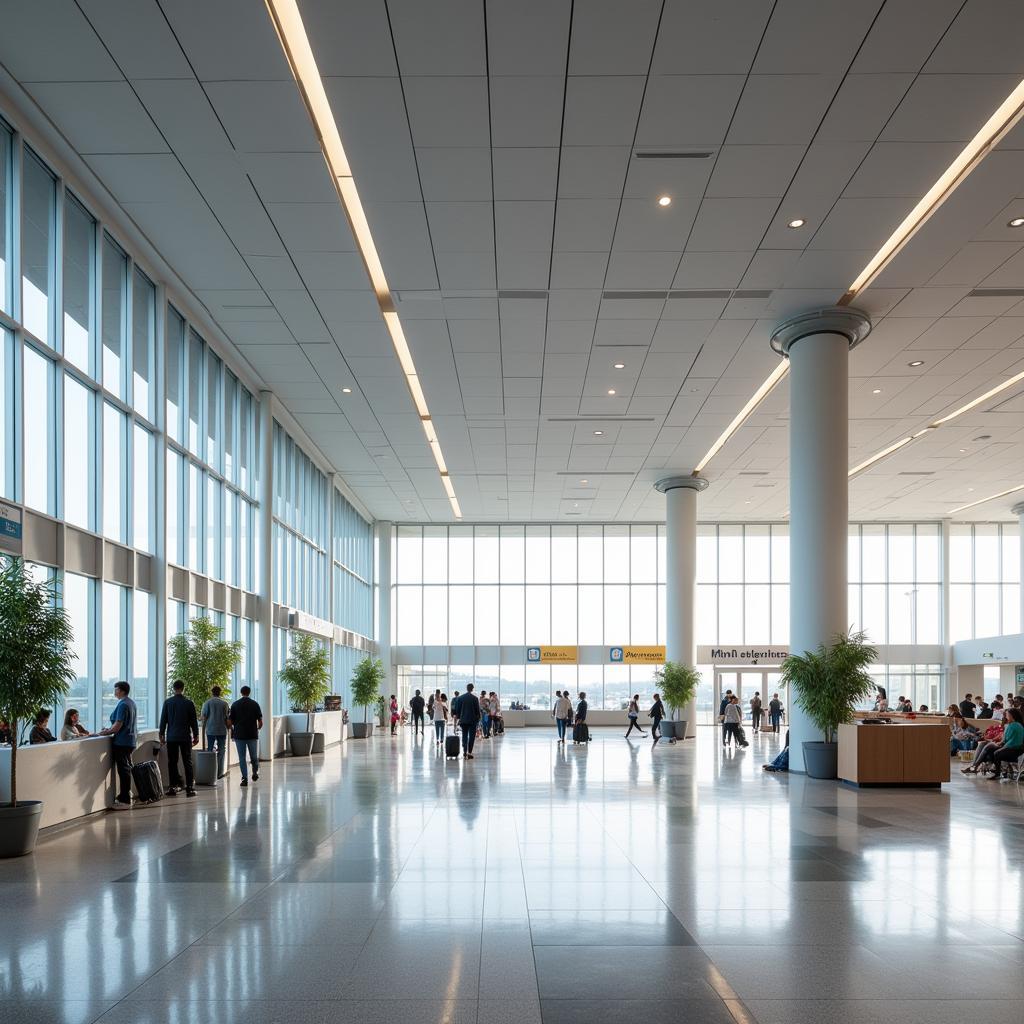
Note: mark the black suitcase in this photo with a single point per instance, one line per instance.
(580, 733)
(451, 746)
(498, 725)
(148, 784)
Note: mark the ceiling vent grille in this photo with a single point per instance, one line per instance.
(917, 472)
(522, 295)
(674, 154)
(996, 293)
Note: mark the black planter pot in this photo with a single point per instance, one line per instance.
(667, 729)
(318, 743)
(300, 743)
(362, 730)
(205, 766)
(821, 760)
(19, 827)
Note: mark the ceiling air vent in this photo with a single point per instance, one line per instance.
(632, 295)
(674, 154)
(917, 472)
(718, 294)
(996, 293)
(522, 295)
(752, 293)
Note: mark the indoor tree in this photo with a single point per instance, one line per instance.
(307, 675)
(36, 660)
(201, 658)
(366, 682)
(678, 685)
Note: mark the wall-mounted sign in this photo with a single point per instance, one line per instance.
(1018, 674)
(10, 524)
(552, 655)
(303, 622)
(637, 655)
(773, 655)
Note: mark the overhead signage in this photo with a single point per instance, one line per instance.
(651, 655)
(10, 524)
(552, 655)
(303, 622)
(774, 655)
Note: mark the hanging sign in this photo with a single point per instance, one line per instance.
(10, 524)
(774, 655)
(652, 655)
(552, 655)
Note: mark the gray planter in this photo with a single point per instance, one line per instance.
(679, 728)
(821, 760)
(318, 743)
(362, 730)
(668, 729)
(300, 743)
(19, 827)
(205, 762)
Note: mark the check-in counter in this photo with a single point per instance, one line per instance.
(905, 753)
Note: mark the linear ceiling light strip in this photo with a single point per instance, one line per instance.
(292, 35)
(991, 497)
(991, 133)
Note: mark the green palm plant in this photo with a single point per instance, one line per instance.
(201, 658)
(830, 681)
(307, 675)
(366, 682)
(36, 660)
(678, 684)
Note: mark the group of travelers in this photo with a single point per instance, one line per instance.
(997, 744)
(477, 716)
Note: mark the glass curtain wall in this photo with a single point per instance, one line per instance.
(353, 586)
(984, 580)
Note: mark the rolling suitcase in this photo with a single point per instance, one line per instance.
(148, 784)
(451, 747)
(498, 726)
(580, 733)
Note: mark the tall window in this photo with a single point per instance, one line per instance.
(79, 454)
(38, 212)
(5, 219)
(115, 292)
(79, 282)
(143, 342)
(984, 574)
(40, 461)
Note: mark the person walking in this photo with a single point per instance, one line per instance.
(246, 719)
(179, 729)
(756, 710)
(733, 717)
(466, 709)
(214, 716)
(775, 712)
(656, 714)
(416, 705)
(123, 721)
(440, 717)
(497, 719)
(633, 713)
(563, 713)
(485, 714)
(722, 705)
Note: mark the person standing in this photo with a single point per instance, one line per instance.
(497, 720)
(246, 719)
(485, 714)
(775, 712)
(656, 714)
(563, 713)
(633, 713)
(393, 713)
(440, 717)
(416, 705)
(122, 727)
(580, 721)
(179, 728)
(215, 721)
(756, 710)
(722, 705)
(467, 709)
(967, 707)
(733, 717)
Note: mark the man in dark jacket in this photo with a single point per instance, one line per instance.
(727, 699)
(416, 705)
(967, 707)
(179, 729)
(467, 709)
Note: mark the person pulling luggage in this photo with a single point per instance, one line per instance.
(580, 732)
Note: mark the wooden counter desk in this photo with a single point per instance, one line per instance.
(898, 754)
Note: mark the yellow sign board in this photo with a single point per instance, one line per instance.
(654, 655)
(552, 655)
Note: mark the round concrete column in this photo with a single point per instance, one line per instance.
(681, 574)
(1018, 511)
(817, 345)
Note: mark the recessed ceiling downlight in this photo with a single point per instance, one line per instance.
(598, 433)
(796, 222)
(664, 200)
(916, 362)
(1017, 222)
(618, 366)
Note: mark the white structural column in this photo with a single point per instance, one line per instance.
(681, 575)
(265, 540)
(818, 347)
(382, 585)
(1018, 511)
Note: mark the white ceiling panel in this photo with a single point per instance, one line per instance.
(688, 111)
(526, 111)
(184, 116)
(602, 110)
(781, 109)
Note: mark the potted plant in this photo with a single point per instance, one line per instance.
(365, 686)
(201, 658)
(382, 710)
(829, 682)
(36, 670)
(678, 685)
(307, 679)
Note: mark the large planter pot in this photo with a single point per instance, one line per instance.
(362, 730)
(318, 743)
(679, 728)
(300, 743)
(821, 760)
(19, 827)
(205, 766)
(668, 729)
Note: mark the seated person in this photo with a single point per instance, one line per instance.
(781, 762)
(963, 736)
(923, 709)
(41, 730)
(1011, 747)
(990, 741)
(997, 710)
(984, 710)
(72, 728)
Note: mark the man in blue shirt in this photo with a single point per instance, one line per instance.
(123, 729)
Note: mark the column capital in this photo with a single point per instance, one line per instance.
(672, 483)
(1018, 509)
(853, 324)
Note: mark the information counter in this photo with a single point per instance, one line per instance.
(898, 754)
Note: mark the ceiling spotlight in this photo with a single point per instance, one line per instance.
(346, 391)
(916, 362)
(877, 391)
(963, 451)
(611, 391)
(664, 200)
(598, 433)
(1017, 222)
(796, 222)
(619, 366)
(584, 481)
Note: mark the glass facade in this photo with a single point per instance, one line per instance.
(984, 580)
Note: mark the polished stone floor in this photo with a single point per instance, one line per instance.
(607, 883)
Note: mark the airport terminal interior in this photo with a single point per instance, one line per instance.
(540, 354)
